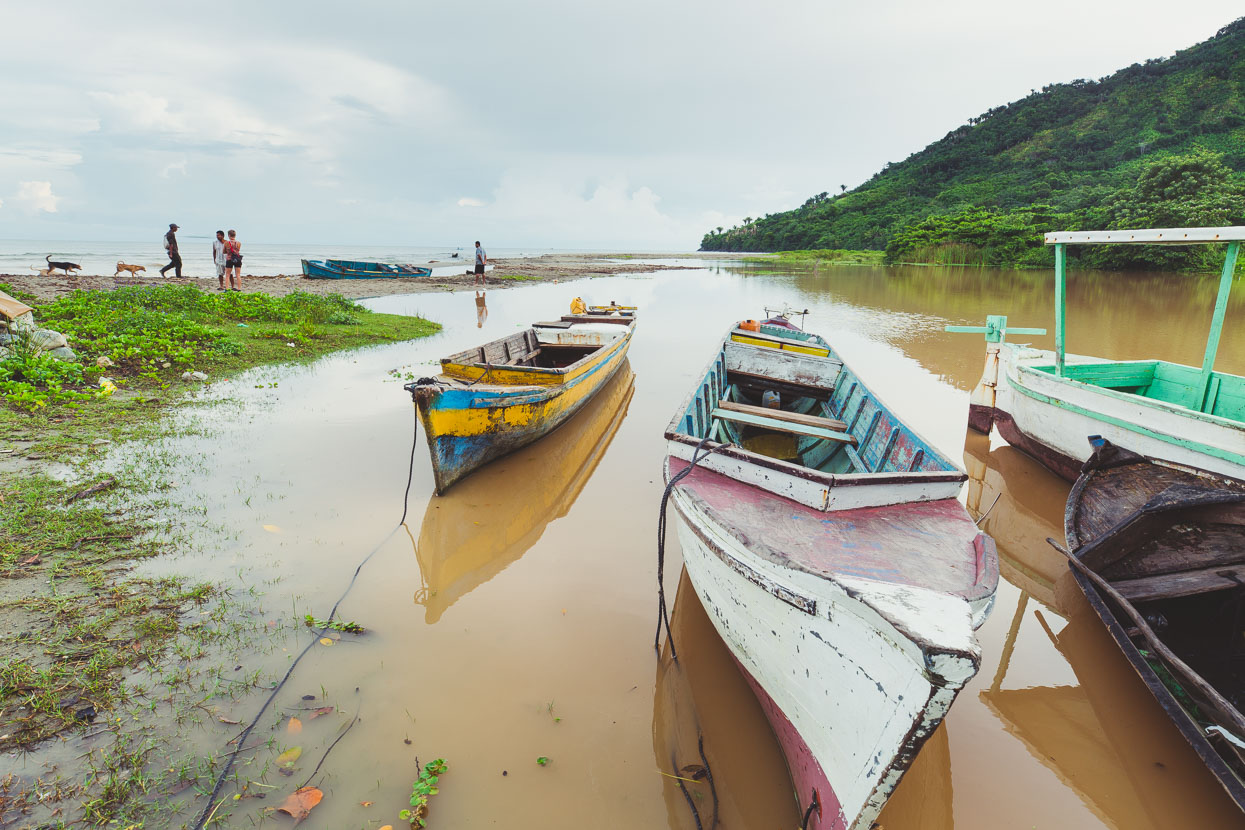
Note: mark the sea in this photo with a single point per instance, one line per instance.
(259, 259)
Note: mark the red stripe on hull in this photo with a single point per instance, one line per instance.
(806, 772)
(1053, 460)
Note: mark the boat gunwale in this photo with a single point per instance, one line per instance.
(673, 433)
(534, 370)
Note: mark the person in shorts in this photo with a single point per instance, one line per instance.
(218, 258)
(233, 262)
(170, 245)
(481, 261)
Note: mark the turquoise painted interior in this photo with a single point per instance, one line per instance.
(1169, 382)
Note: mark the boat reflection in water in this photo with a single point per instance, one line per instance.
(492, 517)
(705, 695)
(1022, 504)
(1105, 738)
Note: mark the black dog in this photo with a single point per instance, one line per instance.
(64, 266)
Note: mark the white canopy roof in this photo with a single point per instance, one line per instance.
(1147, 236)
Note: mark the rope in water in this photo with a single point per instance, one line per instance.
(663, 616)
(209, 809)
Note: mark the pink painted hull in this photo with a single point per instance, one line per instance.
(809, 778)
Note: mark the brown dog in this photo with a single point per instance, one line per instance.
(133, 269)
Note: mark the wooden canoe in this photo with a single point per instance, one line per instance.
(826, 543)
(1170, 541)
(492, 518)
(493, 399)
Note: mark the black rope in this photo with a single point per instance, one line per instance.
(663, 616)
(208, 809)
(815, 804)
(713, 788)
(691, 805)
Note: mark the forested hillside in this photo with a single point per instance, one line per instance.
(1157, 144)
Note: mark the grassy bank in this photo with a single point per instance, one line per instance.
(78, 620)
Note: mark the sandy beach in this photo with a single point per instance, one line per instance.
(505, 273)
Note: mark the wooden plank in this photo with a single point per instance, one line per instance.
(766, 341)
(1186, 583)
(793, 417)
(783, 426)
(1149, 236)
(759, 383)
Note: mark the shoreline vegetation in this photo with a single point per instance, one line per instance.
(1157, 144)
(80, 625)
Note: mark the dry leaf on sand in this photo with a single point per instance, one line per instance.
(295, 726)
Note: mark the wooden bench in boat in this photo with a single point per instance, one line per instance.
(759, 383)
(780, 421)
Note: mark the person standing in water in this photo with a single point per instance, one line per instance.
(233, 262)
(170, 245)
(481, 261)
(218, 258)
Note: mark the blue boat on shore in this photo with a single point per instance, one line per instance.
(342, 269)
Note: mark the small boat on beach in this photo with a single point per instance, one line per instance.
(825, 540)
(342, 269)
(1161, 553)
(1045, 402)
(492, 399)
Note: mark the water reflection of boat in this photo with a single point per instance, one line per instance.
(848, 583)
(1022, 505)
(703, 695)
(491, 519)
(1104, 738)
(494, 399)
(1167, 543)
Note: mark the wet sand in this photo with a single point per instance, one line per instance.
(505, 273)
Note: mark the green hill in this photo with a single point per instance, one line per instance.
(1158, 144)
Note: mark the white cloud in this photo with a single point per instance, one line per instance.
(36, 196)
(467, 201)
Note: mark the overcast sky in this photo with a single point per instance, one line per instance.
(557, 123)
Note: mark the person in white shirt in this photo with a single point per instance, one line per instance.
(218, 258)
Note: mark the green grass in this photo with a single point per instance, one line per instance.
(514, 277)
(821, 257)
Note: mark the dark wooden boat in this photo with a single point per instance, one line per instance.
(1169, 541)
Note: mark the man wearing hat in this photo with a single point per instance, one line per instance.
(170, 245)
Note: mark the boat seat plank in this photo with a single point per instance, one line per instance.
(784, 343)
(1187, 583)
(783, 426)
(793, 417)
(754, 382)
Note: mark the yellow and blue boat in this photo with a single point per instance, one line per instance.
(494, 399)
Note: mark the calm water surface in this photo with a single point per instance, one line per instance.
(514, 617)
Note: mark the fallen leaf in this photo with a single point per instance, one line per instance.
(325, 641)
(365, 804)
(695, 771)
(288, 757)
(224, 719)
(387, 827)
(272, 528)
(300, 802)
(295, 726)
(323, 710)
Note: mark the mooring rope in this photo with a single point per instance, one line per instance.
(663, 617)
(208, 809)
(815, 804)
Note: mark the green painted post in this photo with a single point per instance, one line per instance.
(1061, 304)
(1216, 326)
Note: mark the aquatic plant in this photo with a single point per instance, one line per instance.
(349, 627)
(423, 789)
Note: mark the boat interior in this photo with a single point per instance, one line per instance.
(782, 393)
(1223, 396)
(557, 345)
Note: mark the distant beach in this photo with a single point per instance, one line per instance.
(276, 269)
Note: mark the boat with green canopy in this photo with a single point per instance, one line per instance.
(1047, 402)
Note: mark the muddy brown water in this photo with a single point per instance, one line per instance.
(513, 618)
